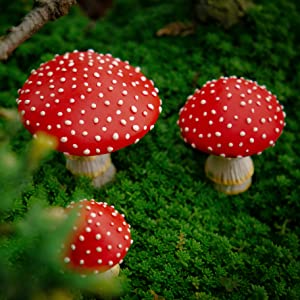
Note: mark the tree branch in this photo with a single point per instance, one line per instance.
(44, 11)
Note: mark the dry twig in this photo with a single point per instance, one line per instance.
(43, 11)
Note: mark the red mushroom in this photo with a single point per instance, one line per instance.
(231, 118)
(93, 104)
(99, 241)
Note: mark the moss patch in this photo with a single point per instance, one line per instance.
(190, 242)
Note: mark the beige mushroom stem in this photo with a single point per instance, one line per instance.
(230, 175)
(100, 167)
(111, 273)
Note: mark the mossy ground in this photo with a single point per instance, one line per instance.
(190, 242)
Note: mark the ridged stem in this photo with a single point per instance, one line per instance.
(100, 168)
(230, 175)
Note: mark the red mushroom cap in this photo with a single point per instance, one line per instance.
(100, 238)
(231, 117)
(92, 103)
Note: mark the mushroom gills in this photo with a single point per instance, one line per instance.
(230, 175)
(100, 168)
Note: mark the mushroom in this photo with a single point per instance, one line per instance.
(231, 119)
(94, 104)
(99, 241)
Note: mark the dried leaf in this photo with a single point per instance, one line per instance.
(177, 29)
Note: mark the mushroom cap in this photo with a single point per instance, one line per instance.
(92, 103)
(231, 117)
(100, 238)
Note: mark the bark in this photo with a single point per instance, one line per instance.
(43, 12)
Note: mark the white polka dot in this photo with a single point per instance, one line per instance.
(133, 109)
(136, 127)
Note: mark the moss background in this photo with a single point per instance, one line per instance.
(190, 242)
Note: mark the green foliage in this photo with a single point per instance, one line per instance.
(190, 242)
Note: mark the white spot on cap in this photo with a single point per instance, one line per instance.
(86, 152)
(136, 127)
(133, 109)
(67, 260)
(115, 136)
(110, 263)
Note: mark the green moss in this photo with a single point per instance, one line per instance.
(190, 242)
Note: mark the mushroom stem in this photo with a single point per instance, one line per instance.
(230, 175)
(100, 168)
(110, 273)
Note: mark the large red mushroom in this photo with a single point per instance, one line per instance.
(99, 240)
(93, 104)
(231, 119)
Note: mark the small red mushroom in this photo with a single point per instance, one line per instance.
(231, 119)
(94, 104)
(99, 241)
